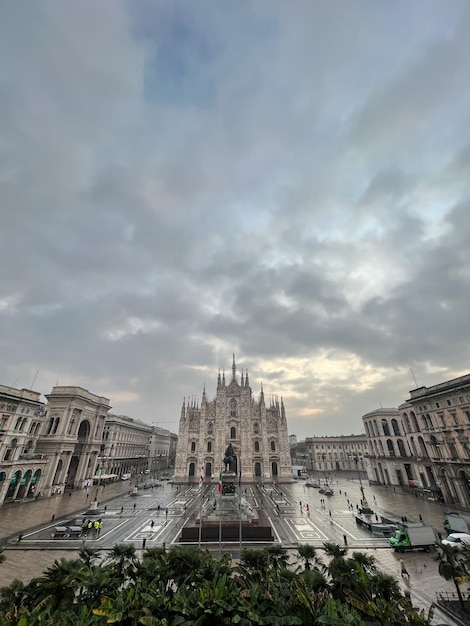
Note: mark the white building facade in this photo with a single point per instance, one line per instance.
(22, 469)
(425, 443)
(257, 431)
(66, 443)
(328, 455)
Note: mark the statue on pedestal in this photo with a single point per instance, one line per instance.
(229, 458)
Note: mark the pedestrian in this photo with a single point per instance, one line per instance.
(134, 506)
(20, 537)
(300, 503)
(403, 570)
(52, 518)
(340, 492)
(122, 509)
(100, 526)
(144, 541)
(152, 524)
(375, 501)
(329, 512)
(166, 513)
(421, 518)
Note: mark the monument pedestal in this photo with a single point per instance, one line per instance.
(224, 514)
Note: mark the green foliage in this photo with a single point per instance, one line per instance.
(186, 586)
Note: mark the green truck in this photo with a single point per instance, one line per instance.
(409, 536)
(456, 522)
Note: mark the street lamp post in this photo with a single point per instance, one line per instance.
(365, 508)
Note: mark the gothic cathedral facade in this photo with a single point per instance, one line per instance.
(257, 432)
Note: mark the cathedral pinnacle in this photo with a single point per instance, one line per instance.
(234, 369)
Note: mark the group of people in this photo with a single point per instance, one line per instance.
(93, 526)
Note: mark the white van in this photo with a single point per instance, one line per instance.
(125, 477)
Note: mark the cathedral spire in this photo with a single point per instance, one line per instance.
(242, 380)
(203, 394)
(234, 369)
(183, 408)
(247, 382)
(218, 381)
(223, 378)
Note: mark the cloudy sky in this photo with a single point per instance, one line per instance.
(286, 181)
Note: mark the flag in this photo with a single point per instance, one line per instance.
(219, 488)
(201, 475)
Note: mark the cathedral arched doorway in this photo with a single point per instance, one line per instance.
(258, 470)
(274, 470)
(192, 469)
(208, 470)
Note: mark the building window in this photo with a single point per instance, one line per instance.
(233, 433)
(233, 408)
(449, 403)
(453, 451)
(455, 418)
(429, 423)
(406, 427)
(193, 446)
(401, 447)
(395, 427)
(273, 446)
(385, 428)
(256, 425)
(210, 428)
(209, 446)
(256, 446)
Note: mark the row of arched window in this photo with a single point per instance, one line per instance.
(256, 446)
(257, 469)
(410, 424)
(233, 430)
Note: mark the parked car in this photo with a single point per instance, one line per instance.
(456, 539)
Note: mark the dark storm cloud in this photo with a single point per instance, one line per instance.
(179, 182)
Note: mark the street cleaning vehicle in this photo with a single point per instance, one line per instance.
(64, 532)
(410, 536)
(456, 522)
